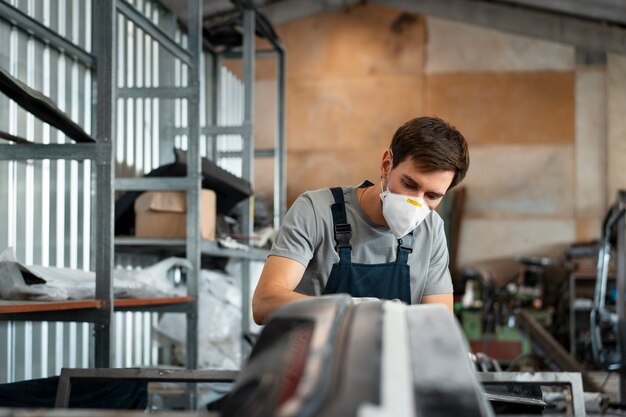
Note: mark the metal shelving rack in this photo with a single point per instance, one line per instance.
(193, 245)
(103, 62)
(101, 154)
(191, 184)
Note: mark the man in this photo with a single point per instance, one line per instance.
(381, 240)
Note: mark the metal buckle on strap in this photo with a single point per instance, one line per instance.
(343, 232)
(407, 248)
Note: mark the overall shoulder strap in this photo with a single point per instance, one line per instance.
(405, 248)
(341, 227)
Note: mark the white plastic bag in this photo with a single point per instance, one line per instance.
(219, 323)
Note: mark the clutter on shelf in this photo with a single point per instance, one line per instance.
(229, 190)
(44, 283)
(164, 214)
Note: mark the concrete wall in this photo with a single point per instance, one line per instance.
(538, 124)
(616, 108)
(514, 100)
(353, 77)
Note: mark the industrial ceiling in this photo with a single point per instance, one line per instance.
(594, 25)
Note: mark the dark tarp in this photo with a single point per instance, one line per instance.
(41, 393)
(42, 107)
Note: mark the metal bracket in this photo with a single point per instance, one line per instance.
(571, 379)
(135, 374)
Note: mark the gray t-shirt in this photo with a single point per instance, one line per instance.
(307, 236)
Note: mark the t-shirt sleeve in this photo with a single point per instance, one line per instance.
(439, 279)
(298, 235)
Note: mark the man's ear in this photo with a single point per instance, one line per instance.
(385, 165)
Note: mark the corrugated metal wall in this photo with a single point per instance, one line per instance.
(45, 206)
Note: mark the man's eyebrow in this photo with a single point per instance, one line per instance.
(435, 195)
(414, 183)
(410, 180)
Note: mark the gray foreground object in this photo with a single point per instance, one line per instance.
(331, 357)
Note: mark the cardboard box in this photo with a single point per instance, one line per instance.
(164, 214)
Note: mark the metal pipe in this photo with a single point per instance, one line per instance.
(620, 275)
(194, 19)
(153, 92)
(280, 176)
(247, 162)
(154, 184)
(238, 54)
(35, 151)
(104, 23)
(166, 107)
(215, 86)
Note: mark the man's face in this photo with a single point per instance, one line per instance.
(406, 178)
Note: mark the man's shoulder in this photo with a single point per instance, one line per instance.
(434, 222)
(435, 219)
(320, 197)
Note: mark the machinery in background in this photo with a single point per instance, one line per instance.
(512, 322)
(608, 328)
(490, 304)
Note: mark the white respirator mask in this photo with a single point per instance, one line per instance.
(403, 213)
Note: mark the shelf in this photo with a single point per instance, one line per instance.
(87, 310)
(161, 305)
(21, 306)
(154, 184)
(20, 310)
(175, 246)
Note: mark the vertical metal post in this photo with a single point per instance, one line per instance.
(572, 315)
(248, 162)
(280, 153)
(194, 14)
(215, 96)
(194, 21)
(104, 25)
(621, 294)
(166, 106)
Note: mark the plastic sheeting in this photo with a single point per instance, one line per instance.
(32, 282)
(219, 318)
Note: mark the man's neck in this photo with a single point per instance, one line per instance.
(369, 198)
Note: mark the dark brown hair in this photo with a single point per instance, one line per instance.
(433, 144)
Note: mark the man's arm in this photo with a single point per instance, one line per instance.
(445, 299)
(276, 286)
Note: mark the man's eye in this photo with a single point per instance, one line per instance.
(433, 197)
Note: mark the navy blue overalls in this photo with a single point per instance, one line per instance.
(386, 281)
